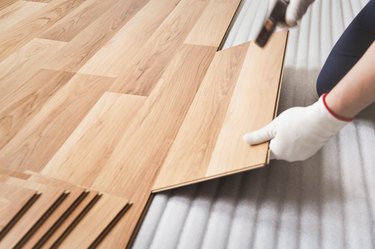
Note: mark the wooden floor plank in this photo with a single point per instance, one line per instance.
(77, 20)
(6, 3)
(209, 143)
(22, 104)
(94, 223)
(35, 144)
(16, 197)
(212, 25)
(48, 197)
(141, 74)
(82, 156)
(191, 151)
(17, 12)
(30, 27)
(24, 63)
(84, 45)
(111, 60)
(264, 68)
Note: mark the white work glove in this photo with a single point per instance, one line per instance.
(294, 12)
(299, 132)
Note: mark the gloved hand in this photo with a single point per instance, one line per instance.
(296, 9)
(299, 132)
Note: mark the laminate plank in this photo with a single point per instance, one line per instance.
(77, 20)
(213, 24)
(71, 198)
(252, 106)
(94, 223)
(209, 143)
(30, 27)
(24, 63)
(81, 157)
(16, 198)
(84, 45)
(22, 104)
(113, 57)
(68, 221)
(191, 151)
(17, 12)
(31, 217)
(18, 174)
(142, 73)
(39, 1)
(6, 3)
(35, 144)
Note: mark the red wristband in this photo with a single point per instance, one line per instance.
(333, 113)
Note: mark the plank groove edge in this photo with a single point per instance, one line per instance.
(42, 219)
(19, 215)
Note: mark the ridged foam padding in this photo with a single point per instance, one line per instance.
(327, 201)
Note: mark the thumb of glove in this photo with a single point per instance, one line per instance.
(262, 135)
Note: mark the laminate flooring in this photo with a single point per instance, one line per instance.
(103, 94)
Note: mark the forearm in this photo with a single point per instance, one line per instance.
(356, 90)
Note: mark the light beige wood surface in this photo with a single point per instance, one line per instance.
(114, 56)
(30, 27)
(17, 12)
(141, 74)
(210, 29)
(35, 144)
(81, 158)
(227, 105)
(16, 197)
(77, 20)
(84, 45)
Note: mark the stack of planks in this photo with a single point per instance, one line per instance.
(123, 98)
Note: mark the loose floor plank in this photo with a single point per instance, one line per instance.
(40, 207)
(84, 45)
(209, 143)
(22, 104)
(213, 24)
(16, 197)
(190, 154)
(35, 144)
(77, 20)
(30, 27)
(82, 156)
(115, 55)
(141, 74)
(94, 223)
(17, 12)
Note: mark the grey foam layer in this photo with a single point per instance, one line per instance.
(327, 201)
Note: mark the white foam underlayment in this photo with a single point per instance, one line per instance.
(327, 201)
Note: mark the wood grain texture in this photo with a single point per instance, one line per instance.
(191, 151)
(6, 3)
(143, 147)
(210, 29)
(209, 143)
(30, 27)
(35, 144)
(141, 74)
(77, 20)
(260, 78)
(84, 45)
(15, 197)
(113, 57)
(24, 63)
(22, 104)
(94, 223)
(49, 196)
(17, 12)
(82, 156)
